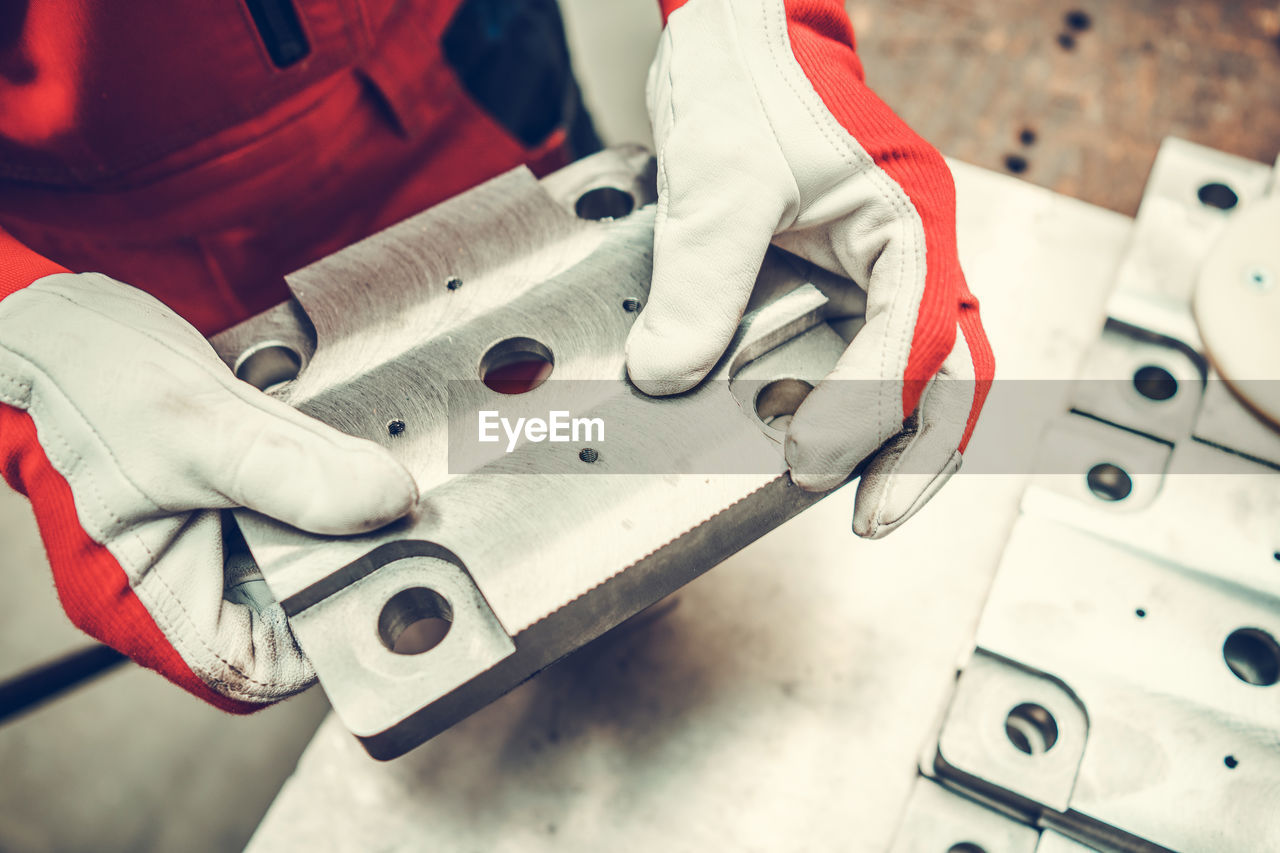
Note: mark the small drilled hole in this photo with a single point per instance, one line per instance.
(1109, 482)
(395, 427)
(1217, 195)
(516, 365)
(1253, 656)
(268, 365)
(414, 621)
(604, 203)
(1231, 762)
(1155, 383)
(631, 305)
(1027, 136)
(453, 283)
(589, 455)
(1140, 613)
(1031, 729)
(777, 401)
(1078, 20)
(1016, 163)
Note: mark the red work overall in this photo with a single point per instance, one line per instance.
(201, 150)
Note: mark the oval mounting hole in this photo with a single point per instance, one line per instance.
(1155, 383)
(777, 401)
(1109, 482)
(1217, 195)
(1031, 729)
(414, 621)
(516, 365)
(268, 364)
(604, 203)
(1253, 656)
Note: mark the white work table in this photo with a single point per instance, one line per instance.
(783, 702)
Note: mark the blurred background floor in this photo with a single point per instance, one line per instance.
(1074, 96)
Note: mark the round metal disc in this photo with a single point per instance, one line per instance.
(1237, 306)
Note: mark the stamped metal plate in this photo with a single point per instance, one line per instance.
(518, 557)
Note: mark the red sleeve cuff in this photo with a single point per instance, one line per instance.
(19, 266)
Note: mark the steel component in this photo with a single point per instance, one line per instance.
(539, 550)
(1140, 593)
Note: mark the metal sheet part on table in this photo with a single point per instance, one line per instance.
(1125, 685)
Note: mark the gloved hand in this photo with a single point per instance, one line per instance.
(130, 436)
(766, 130)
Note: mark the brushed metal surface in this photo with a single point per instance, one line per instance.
(546, 550)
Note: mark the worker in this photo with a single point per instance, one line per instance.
(163, 165)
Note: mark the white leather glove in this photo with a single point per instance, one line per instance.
(766, 131)
(130, 436)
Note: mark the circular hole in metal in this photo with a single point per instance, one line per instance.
(777, 401)
(589, 455)
(604, 203)
(1253, 656)
(414, 621)
(1155, 383)
(454, 283)
(516, 365)
(966, 847)
(1109, 482)
(1031, 729)
(268, 364)
(1231, 762)
(1217, 195)
(631, 305)
(395, 427)
(1078, 20)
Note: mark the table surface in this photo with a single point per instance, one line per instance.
(782, 703)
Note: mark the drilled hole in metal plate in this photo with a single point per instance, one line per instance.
(777, 401)
(631, 305)
(1217, 195)
(1253, 656)
(1109, 482)
(1031, 729)
(589, 455)
(414, 621)
(268, 364)
(966, 847)
(1155, 383)
(516, 365)
(1078, 20)
(604, 203)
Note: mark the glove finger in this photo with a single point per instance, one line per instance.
(708, 249)
(275, 460)
(848, 415)
(916, 463)
(723, 189)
